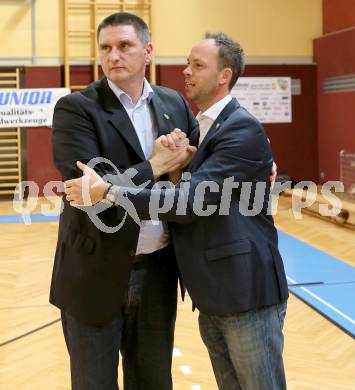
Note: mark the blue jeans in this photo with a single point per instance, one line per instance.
(246, 348)
(144, 335)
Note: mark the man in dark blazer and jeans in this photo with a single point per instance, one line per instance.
(117, 292)
(227, 251)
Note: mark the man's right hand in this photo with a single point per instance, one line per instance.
(170, 153)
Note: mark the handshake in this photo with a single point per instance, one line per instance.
(171, 153)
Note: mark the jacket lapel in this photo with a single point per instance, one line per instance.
(222, 117)
(119, 117)
(162, 117)
(195, 136)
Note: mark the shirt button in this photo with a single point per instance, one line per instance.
(132, 253)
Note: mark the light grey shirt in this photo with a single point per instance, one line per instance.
(153, 235)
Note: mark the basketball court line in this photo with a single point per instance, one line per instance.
(29, 333)
(305, 265)
(185, 369)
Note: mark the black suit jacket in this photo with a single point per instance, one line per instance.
(91, 268)
(229, 262)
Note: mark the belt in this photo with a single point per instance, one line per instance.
(142, 258)
(139, 258)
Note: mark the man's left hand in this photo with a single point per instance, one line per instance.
(86, 190)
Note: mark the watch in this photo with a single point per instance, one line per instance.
(109, 195)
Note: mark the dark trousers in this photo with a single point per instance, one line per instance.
(144, 335)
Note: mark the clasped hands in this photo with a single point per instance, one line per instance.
(171, 153)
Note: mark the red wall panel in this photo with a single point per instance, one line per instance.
(40, 168)
(42, 77)
(334, 55)
(38, 153)
(338, 14)
(81, 75)
(295, 145)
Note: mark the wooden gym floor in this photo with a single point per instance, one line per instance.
(318, 355)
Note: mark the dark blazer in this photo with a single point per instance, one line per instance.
(91, 268)
(229, 262)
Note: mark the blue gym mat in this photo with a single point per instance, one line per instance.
(320, 280)
(28, 218)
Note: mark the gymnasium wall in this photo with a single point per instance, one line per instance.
(295, 145)
(267, 28)
(338, 15)
(334, 55)
(276, 35)
(16, 37)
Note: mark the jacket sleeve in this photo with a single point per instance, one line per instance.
(74, 138)
(240, 153)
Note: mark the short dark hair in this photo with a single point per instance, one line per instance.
(127, 19)
(231, 55)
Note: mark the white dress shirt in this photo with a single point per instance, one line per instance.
(206, 118)
(152, 235)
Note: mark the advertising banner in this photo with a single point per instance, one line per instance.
(29, 107)
(267, 98)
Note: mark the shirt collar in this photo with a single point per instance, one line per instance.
(216, 109)
(147, 93)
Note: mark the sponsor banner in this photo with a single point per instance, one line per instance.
(267, 98)
(29, 107)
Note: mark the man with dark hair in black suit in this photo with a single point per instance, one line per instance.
(117, 292)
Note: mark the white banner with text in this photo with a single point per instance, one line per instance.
(267, 98)
(29, 107)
